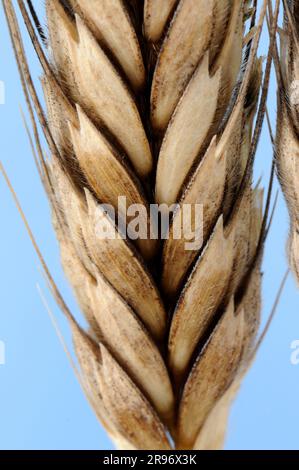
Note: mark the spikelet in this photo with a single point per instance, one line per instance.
(155, 103)
(287, 140)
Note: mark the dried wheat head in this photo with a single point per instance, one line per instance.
(287, 139)
(154, 101)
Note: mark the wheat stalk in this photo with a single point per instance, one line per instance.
(287, 141)
(155, 101)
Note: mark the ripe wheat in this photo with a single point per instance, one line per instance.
(287, 143)
(155, 101)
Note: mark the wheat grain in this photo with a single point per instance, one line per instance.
(155, 103)
(287, 142)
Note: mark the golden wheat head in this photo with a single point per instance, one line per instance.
(287, 140)
(155, 101)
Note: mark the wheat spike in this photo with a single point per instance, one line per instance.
(287, 140)
(155, 101)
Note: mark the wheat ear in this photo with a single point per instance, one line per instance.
(287, 140)
(155, 101)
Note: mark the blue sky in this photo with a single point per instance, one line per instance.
(41, 404)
